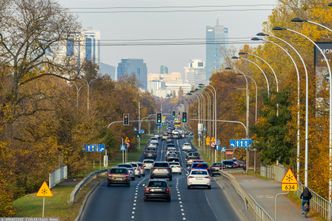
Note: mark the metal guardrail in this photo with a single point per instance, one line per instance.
(82, 183)
(259, 213)
(57, 176)
(317, 202)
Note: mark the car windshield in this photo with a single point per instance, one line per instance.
(134, 164)
(119, 171)
(157, 184)
(216, 164)
(125, 165)
(148, 161)
(199, 172)
(200, 165)
(160, 164)
(228, 162)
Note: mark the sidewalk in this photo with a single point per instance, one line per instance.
(264, 191)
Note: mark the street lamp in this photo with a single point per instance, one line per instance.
(330, 112)
(262, 71)
(272, 70)
(300, 20)
(298, 89)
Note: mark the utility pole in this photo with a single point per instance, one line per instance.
(139, 125)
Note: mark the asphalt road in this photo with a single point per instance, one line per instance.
(126, 203)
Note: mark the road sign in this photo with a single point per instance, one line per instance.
(289, 182)
(213, 144)
(141, 131)
(242, 143)
(94, 147)
(44, 191)
(123, 147)
(223, 149)
(207, 140)
(127, 140)
(218, 148)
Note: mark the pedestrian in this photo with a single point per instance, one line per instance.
(305, 199)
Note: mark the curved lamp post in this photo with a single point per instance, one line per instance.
(298, 134)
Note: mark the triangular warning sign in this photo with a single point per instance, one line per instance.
(44, 191)
(289, 178)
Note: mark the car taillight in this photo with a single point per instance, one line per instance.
(207, 177)
(167, 190)
(110, 175)
(146, 189)
(190, 177)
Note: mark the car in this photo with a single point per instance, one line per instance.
(150, 153)
(175, 167)
(216, 168)
(164, 136)
(137, 170)
(161, 169)
(148, 163)
(157, 136)
(118, 175)
(157, 189)
(141, 166)
(228, 164)
(130, 168)
(172, 158)
(193, 155)
(239, 164)
(186, 147)
(155, 142)
(192, 159)
(198, 177)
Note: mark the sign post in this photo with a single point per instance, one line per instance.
(44, 191)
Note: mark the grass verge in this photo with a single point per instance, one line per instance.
(57, 206)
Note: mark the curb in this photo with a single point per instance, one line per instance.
(231, 201)
(86, 199)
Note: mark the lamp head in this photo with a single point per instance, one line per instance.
(278, 28)
(243, 53)
(298, 20)
(330, 4)
(228, 68)
(262, 34)
(235, 57)
(256, 39)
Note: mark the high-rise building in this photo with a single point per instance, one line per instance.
(216, 41)
(92, 46)
(194, 74)
(135, 67)
(163, 69)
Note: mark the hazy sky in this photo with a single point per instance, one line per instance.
(166, 25)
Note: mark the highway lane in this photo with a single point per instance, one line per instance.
(127, 204)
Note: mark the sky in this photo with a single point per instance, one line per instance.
(124, 26)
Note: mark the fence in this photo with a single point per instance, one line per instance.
(57, 176)
(83, 182)
(317, 203)
(251, 204)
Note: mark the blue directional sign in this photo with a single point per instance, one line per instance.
(218, 148)
(141, 131)
(242, 143)
(94, 147)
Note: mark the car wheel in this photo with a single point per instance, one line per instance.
(188, 187)
(170, 179)
(168, 199)
(209, 187)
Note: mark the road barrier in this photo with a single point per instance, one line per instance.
(251, 204)
(57, 176)
(317, 202)
(82, 183)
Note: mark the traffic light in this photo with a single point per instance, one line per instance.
(125, 119)
(173, 113)
(184, 117)
(158, 118)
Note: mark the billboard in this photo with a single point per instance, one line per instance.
(322, 74)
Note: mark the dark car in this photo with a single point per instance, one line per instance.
(216, 168)
(201, 166)
(161, 169)
(150, 153)
(228, 164)
(118, 175)
(239, 164)
(157, 189)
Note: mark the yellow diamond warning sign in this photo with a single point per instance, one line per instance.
(289, 182)
(44, 191)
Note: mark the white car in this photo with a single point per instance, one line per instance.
(148, 164)
(186, 147)
(198, 177)
(175, 167)
(137, 170)
(156, 142)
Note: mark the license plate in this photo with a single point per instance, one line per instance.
(156, 190)
(199, 178)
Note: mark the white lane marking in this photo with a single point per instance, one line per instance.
(183, 215)
(135, 199)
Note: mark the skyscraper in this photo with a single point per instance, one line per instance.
(216, 39)
(135, 67)
(163, 69)
(92, 46)
(194, 74)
